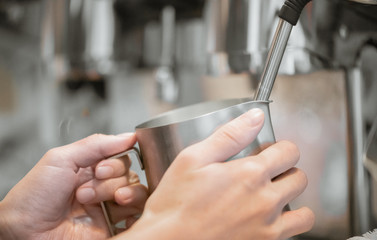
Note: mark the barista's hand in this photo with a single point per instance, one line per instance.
(59, 198)
(203, 197)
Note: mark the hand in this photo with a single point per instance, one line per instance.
(203, 197)
(59, 198)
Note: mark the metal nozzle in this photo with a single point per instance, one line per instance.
(289, 14)
(274, 58)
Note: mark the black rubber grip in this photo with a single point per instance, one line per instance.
(292, 9)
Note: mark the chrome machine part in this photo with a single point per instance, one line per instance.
(289, 14)
(238, 32)
(370, 162)
(365, 1)
(274, 58)
(167, 89)
(357, 176)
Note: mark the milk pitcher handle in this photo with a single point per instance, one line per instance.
(134, 151)
(104, 206)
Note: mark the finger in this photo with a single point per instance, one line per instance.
(278, 158)
(297, 221)
(119, 213)
(96, 191)
(90, 150)
(290, 185)
(132, 195)
(112, 168)
(228, 140)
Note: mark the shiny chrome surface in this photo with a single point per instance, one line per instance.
(104, 205)
(358, 182)
(162, 138)
(374, 2)
(370, 162)
(79, 35)
(275, 55)
(167, 89)
(238, 33)
(370, 152)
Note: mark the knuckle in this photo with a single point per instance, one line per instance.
(229, 135)
(97, 138)
(265, 211)
(310, 219)
(303, 178)
(56, 155)
(272, 200)
(187, 155)
(255, 174)
(304, 218)
(59, 157)
(217, 171)
(292, 149)
(255, 168)
(93, 138)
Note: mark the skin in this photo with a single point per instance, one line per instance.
(59, 198)
(203, 197)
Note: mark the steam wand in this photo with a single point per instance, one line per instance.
(289, 15)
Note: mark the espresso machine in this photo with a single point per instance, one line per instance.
(105, 66)
(322, 98)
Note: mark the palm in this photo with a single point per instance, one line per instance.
(54, 206)
(82, 222)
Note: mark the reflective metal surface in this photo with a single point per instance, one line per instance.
(370, 162)
(358, 182)
(167, 89)
(238, 34)
(365, 1)
(275, 55)
(89, 39)
(162, 138)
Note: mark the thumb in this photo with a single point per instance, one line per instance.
(230, 139)
(90, 150)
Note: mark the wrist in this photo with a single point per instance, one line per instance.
(155, 227)
(6, 231)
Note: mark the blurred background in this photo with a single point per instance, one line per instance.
(70, 68)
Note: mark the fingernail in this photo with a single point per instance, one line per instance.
(85, 195)
(256, 116)
(126, 135)
(104, 172)
(125, 194)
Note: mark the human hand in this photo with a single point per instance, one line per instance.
(203, 197)
(59, 198)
